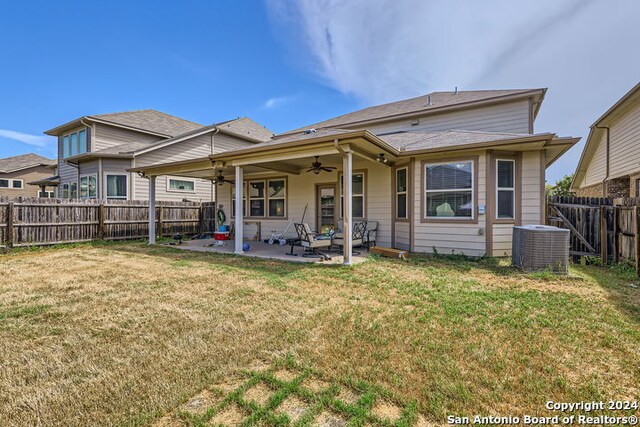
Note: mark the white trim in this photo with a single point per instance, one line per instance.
(269, 198)
(49, 194)
(512, 189)
(450, 190)
(10, 182)
(106, 188)
(80, 186)
(363, 195)
(177, 190)
(263, 198)
(405, 192)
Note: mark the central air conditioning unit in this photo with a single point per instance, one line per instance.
(540, 248)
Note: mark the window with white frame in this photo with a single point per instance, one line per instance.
(74, 143)
(256, 198)
(277, 198)
(46, 194)
(73, 190)
(244, 199)
(15, 184)
(505, 189)
(65, 191)
(181, 185)
(449, 190)
(402, 202)
(116, 186)
(357, 193)
(88, 187)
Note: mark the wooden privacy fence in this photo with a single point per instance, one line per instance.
(600, 227)
(25, 222)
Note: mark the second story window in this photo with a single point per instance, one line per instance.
(74, 143)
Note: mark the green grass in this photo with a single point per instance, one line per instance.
(122, 334)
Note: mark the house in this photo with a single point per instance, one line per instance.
(94, 153)
(451, 172)
(610, 161)
(18, 173)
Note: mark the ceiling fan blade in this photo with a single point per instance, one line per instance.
(311, 169)
(327, 169)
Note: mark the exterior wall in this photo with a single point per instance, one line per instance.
(510, 117)
(633, 185)
(105, 136)
(624, 140)
(596, 170)
(450, 236)
(590, 191)
(26, 175)
(68, 173)
(618, 187)
(301, 192)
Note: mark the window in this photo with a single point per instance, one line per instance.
(244, 199)
(75, 143)
(12, 183)
(449, 190)
(256, 198)
(73, 190)
(65, 191)
(88, 187)
(357, 193)
(277, 196)
(505, 191)
(116, 186)
(401, 193)
(181, 185)
(46, 194)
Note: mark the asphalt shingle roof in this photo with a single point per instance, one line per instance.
(24, 161)
(150, 120)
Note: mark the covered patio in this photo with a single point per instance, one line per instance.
(278, 183)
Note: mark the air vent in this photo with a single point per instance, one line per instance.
(540, 248)
(309, 131)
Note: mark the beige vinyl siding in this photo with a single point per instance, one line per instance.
(26, 175)
(105, 136)
(532, 180)
(402, 237)
(624, 140)
(301, 192)
(596, 170)
(511, 117)
(450, 236)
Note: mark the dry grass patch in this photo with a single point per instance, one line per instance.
(259, 393)
(294, 408)
(386, 410)
(232, 415)
(203, 401)
(315, 384)
(329, 419)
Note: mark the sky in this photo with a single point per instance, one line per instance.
(288, 63)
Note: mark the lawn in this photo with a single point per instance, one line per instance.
(124, 334)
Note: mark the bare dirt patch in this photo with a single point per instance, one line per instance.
(200, 403)
(232, 415)
(329, 419)
(293, 407)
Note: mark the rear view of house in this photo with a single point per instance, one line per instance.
(95, 153)
(610, 162)
(21, 176)
(447, 172)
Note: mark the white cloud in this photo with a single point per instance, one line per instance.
(384, 50)
(276, 101)
(25, 138)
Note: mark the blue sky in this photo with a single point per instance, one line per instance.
(287, 63)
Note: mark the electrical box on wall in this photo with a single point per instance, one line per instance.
(480, 209)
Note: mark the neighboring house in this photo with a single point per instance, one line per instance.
(610, 162)
(447, 172)
(95, 152)
(18, 173)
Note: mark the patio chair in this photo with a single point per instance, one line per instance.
(370, 234)
(357, 236)
(309, 242)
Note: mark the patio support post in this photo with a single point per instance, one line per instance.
(152, 210)
(347, 190)
(239, 210)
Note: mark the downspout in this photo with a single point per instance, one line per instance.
(607, 160)
(214, 193)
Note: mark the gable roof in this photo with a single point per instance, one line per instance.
(24, 161)
(147, 121)
(245, 127)
(597, 129)
(426, 104)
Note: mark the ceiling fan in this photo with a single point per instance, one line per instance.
(220, 179)
(316, 167)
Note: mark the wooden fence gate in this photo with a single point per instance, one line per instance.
(600, 227)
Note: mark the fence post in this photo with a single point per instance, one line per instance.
(604, 235)
(616, 239)
(636, 238)
(101, 221)
(160, 231)
(10, 224)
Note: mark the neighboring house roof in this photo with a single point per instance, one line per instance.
(597, 129)
(243, 128)
(50, 181)
(426, 104)
(147, 121)
(24, 161)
